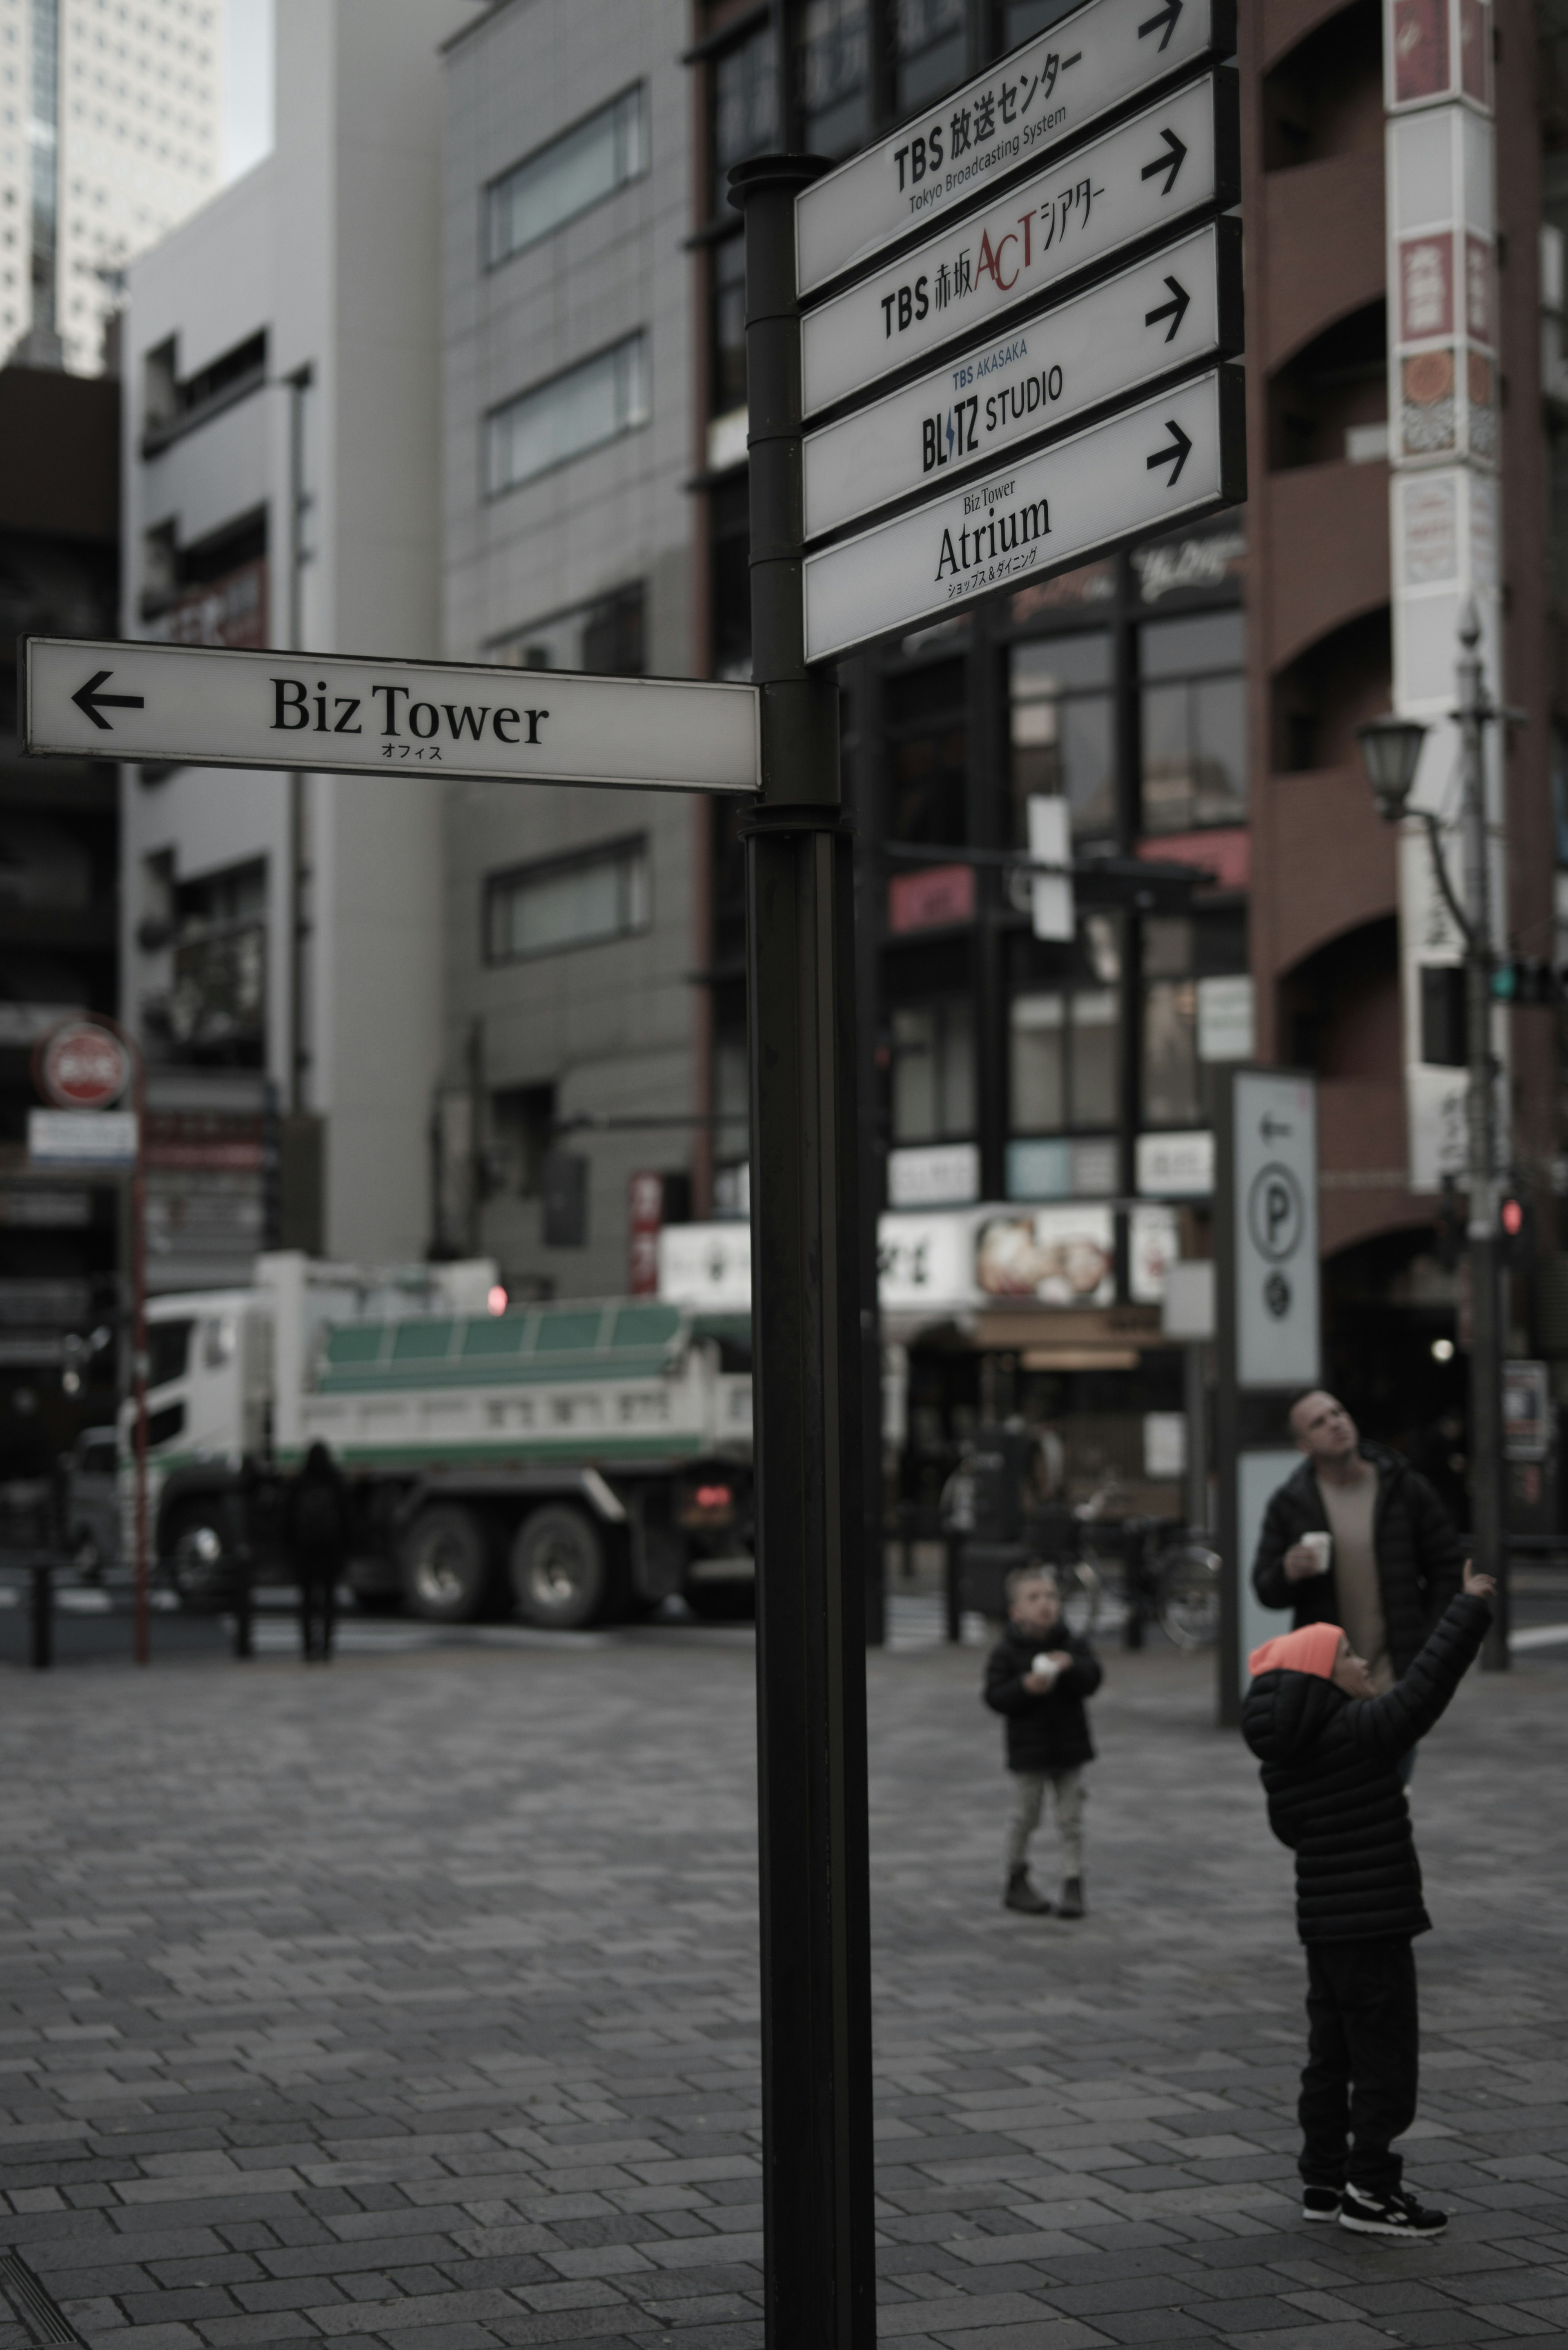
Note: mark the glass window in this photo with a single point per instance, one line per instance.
(728, 523)
(572, 901)
(1064, 731)
(1064, 1051)
(933, 1071)
(581, 410)
(927, 755)
(729, 294)
(1170, 1091)
(931, 49)
(606, 636)
(574, 172)
(835, 70)
(1194, 722)
(745, 108)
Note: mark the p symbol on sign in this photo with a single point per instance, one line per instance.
(1275, 1215)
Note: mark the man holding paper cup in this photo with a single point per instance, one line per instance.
(1357, 1537)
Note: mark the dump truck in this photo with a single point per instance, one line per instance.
(569, 1463)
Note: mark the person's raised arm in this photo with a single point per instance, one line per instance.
(1407, 1711)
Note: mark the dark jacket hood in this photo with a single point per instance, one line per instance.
(1285, 1713)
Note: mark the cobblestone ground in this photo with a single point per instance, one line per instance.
(413, 2003)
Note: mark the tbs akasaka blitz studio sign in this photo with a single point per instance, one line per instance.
(1087, 64)
(210, 707)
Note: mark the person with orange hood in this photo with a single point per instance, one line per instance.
(1330, 1748)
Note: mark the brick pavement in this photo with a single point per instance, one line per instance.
(412, 2004)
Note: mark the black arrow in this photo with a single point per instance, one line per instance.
(1174, 311)
(1166, 17)
(90, 701)
(1180, 446)
(1169, 164)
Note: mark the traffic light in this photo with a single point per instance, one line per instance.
(1526, 980)
(1516, 1229)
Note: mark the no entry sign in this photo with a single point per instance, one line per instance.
(214, 707)
(82, 1067)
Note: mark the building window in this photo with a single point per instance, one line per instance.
(569, 901)
(1022, 19)
(1064, 729)
(606, 637)
(931, 49)
(730, 530)
(522, 1131)
(729, 326)
(927, 755)
(213, 1011)
(1064, 1060)
(1177, 1088)
(1193, 707)
(744, 89)
(580, 410)
(933, 1071)
(833, 66)
(569, 176)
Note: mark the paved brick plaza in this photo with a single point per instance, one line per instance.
(413, 2003)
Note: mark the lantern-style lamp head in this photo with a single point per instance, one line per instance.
(1391, 753)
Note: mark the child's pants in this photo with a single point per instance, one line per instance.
(1067, 1786)
(1363, 2054)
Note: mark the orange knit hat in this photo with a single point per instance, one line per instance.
(1312, 1650)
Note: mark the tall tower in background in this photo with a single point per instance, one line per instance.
(111, 133)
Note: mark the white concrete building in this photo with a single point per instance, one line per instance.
(111, 133)
(282, 487)
(576, 919)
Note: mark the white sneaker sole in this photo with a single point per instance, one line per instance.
(1392, 2228)
(1320, 2218)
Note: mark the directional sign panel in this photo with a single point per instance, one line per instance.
(1136, 475)
(1181, 307)
(1051, 90)
(1178, 158)
(214, 707)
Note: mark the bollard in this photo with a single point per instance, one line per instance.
(245, 1606)
(43, 1613)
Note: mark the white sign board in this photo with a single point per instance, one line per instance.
(1275, 1175)
(1150, 175)
(1050, 89)
(933, 1175)
(81, 1137)
(1225, 1021)
(210, 707)
(1050, 912)
(708, 1266)
(1176, 1166)
(1139, 472)
(1183, 305)
(925, 1264)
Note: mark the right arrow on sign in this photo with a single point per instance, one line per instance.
(1169, 163)
(1177, 449)
(1169, 16)
(1175, 309)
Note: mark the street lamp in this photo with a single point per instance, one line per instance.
(1391, 751)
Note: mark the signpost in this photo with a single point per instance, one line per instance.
(1146, 179)
(1014, 217)
(1032, 102)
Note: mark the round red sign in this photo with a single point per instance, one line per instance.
(83, 1066)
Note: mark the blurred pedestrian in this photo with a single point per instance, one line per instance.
(1330, 1748)
(1357, 1537)
(318, 1531)
(1037, 1678)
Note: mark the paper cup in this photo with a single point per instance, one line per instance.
(1321, 1549)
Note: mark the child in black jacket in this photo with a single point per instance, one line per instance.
(1038, 1676)
(1330, 1749)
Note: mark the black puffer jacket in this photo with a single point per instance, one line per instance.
(1420, 1558)
(1335, 1797)
(1050, 1731)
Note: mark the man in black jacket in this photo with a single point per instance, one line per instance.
(1330, 1749)
(1393, 1559)
(1038, 1676)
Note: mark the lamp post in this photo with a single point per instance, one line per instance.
(1391, 751)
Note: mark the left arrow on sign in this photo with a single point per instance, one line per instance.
(91, 703)
(1178, 448)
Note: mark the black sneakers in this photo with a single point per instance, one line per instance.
(1390, 2215)
(1021, 1895)
(1321, 2202)
(1071, 1904)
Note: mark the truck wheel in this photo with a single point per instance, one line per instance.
(446, 1565)
(195, 1542)
(559, 1572)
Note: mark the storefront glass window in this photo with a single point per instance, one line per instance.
(1062, 729)
(835, 69)
(933, 1071)
(1194, 722)
(927, 755)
